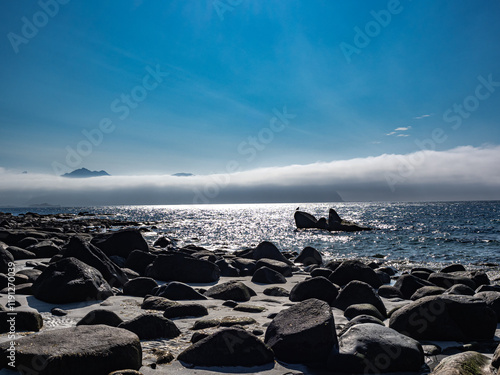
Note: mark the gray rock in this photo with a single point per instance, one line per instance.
(23, 321)
(184, 268)
(372, 348)
(308, 256)
(178, 291)
(284, 268)
(79, 350)
(468, 363)
(228, 347)
(426, 291)
(357, 292)
(447, 280)
(19, 253)
(139, 287)
(179, 310)
(362, 309)
(360, 319)
(266, 275)
(461, 290)
(268, 250)
(70, 280)
(304, 333)
(350, 270)
(121, 243)
(316, 287)
(150, 327)
(100, 316)
(389, 291)
(492, 300)
(157, 303)
(276, 291)
(231, 290)
(409, 284)
(138, 260)
(446, 317)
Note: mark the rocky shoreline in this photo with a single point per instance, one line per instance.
(77, 297)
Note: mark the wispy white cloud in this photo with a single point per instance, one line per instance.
(461, 173)
(421, 117)
(403, 135)
(391, 133)
(402, 129)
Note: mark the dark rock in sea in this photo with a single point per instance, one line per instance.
(100, 316)
(304, 220)
(79, 350)
(360, 319)
(409, 284)
(276, 291)
(453, 268)
(6, 259)
(372, 348)
(461, 290)
(181, 267)
(78, 248)
(284, 268)
(357, 292)
(179, 310)
(22, 321)
(266, 275)
(446, 317)
(317, 287)
(325, 272)
(121, 243)
(70, 280)
(447, 280)
(389, 291)
(350, 270)
(308, 256)
(360, 309)
(56, 311)
(426, 291)
(44, 249)
(157, 303)
(231, 290)
(178, 291)
(20, 254)
(467, 363)
(228, 347)
(303, 333)
(139, 287)
(138, 261)
(162, 242)
(150, 327)
(267, 250)
(492, 300)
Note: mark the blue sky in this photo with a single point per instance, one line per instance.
(230, 67)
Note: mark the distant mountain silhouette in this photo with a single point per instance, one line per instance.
(182, 174)
(85, 173)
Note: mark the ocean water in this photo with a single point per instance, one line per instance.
(415, 233)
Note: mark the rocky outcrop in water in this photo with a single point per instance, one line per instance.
(304, 220)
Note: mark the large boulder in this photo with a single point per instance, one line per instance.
(358, 292)
(70, 280)
(182, 310)
(228, 347)
(182, 267)
(304, 333)
(409, 284)
(447, 280)
(80, 350)
(266, 275)
(139, 260)
(178, 291)
(80, 249)
(231, 290)
(316, 287)
(6, 260)
(157, 303)
(22, 321)
(121, 243)
(100, 316)
(309, 255)
(446, 317)
(467, 363)
(304, 220)
(371, 348)
(44, 249)
(350, 270)
(492, 300)
(268, 250)
(284, 268)
(20, 253)
(139, 287)
(150, 327)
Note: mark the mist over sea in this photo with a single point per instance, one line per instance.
(421, 233)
